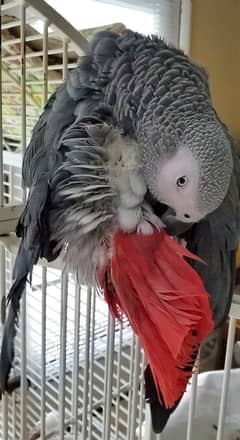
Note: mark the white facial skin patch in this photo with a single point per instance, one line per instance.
(178, 185)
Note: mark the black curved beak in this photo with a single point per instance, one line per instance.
(174, 226)
(168, 217)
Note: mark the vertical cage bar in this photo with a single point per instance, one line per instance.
(1, 125)
(13, 397)
(13, 403)
(92, 362)
(11, 188)
(23, 302)
(23, 367)
(43, 352)
(65, 59)
(192, 403)
(86, 366)
(226, 377)
(105, 390)
(148, 424)
(109, 378)
(141, 400)
(76, 360)
(14, 416)
(118, 383)
(133, 425)
(5, 416)
(45, 63)
(148, 432)
(63, 337)
(185, 26)
(23, 75)
(3, 311)
(130, 386)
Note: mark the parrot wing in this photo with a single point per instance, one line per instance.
(32, 226)
(215, 240)
(28, 228)
(36, 146)
(70, 201)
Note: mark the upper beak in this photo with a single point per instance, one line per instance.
(173, 225)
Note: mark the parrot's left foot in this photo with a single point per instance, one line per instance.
(134, 214)
(148, 221)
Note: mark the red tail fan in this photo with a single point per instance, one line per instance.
(149, 280)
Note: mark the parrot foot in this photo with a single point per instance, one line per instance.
(148, 221)
(144, 227)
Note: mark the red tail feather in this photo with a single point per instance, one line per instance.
(165, 301)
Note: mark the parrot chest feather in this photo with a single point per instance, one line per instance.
(103, 191)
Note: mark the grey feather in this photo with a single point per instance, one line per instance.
(88, 220)
(215, 240)
(33, 224)
(141, 88)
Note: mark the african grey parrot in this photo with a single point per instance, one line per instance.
(129, 141)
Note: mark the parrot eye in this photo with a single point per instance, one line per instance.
(182, 181)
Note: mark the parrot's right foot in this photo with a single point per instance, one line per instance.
(140, 219)
(148, 221)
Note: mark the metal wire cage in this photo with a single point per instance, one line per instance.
(81, 372)
(83, 368)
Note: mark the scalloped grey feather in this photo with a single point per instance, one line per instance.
(146, 94)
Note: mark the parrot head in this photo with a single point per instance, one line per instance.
(190, 168)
